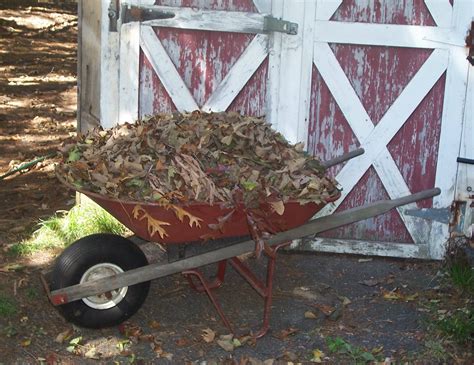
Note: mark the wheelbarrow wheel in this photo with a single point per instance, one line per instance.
(94, 257)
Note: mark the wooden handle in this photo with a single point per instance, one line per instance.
(345, 157)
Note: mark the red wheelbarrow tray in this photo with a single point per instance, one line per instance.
(179, 232)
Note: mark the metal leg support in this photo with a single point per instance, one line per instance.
(206, 286)
(263, 288)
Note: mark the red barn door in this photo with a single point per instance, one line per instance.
(389, 76)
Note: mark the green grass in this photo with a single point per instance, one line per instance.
(7, 306)
(357, 355)
(462, 276)
(459, 325)
(66, 227)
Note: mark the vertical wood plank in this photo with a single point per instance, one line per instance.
(129, 67)
(274, 66)
(466, 171)
(89, 65)
(109, 71)
(291, 113)
(453, 107)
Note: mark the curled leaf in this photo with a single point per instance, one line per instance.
(208, 335)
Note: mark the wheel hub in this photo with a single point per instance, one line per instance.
(105, 300)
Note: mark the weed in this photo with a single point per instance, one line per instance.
(358, 355)
(7, 306)
(462, 275)
(458, 325)
(9, 330)
(436, 350)
(68, 226)
(32, 293)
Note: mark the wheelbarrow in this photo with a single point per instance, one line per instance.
(103, 279)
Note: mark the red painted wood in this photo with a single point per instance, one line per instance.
(408, 12)
(252, 98)
(415, 147)
(379, 75)
(159, 100)
(203, 59)
(329, 135)
(387, 227)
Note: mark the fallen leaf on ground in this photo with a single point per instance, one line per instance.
(345, 300)
(147, 337)
(325, 308)
(63, 336)
(154, 324)
(248, 340)
(181, 342)
(317, 356)
(283, 334)
(26, 342)
(227, 345)
(289, 356)
(208, 335)
(377, 350)
(91, 353)
(310, 315)
(305, 293)
(12, 267)
(398, 295)
(160, 352)
(369, 282)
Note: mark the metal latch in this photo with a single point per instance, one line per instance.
(271, 24)
(470, 44)
(130, 13)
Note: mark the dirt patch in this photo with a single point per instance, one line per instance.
(37, 110)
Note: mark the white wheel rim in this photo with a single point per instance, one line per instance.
(105, 300)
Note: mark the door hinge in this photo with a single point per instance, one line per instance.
(141, 14)
(271, 24)
(128, 14)
(442, 215)
(470, 44)
(112, 12)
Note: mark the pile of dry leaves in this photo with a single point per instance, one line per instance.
(219, 158)
(178, 158)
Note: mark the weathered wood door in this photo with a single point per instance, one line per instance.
(386, 75)
(391, 76)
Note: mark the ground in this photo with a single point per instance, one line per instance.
(328, 308)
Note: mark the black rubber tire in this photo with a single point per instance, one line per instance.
(87, 252)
